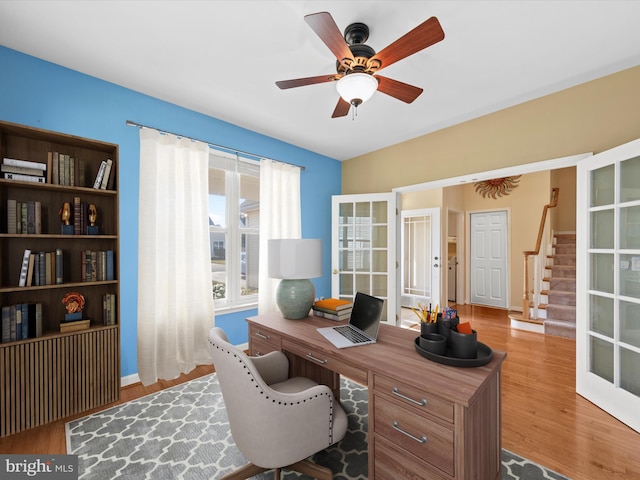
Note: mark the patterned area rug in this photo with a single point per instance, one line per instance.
(183, 433)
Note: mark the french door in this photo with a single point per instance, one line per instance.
(608, 282)
(364, 249)
(421, 259)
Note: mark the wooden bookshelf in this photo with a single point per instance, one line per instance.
(54, 375)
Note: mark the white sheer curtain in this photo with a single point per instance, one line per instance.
(280, 217)
(175, 301)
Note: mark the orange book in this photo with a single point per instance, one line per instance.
(334, 304)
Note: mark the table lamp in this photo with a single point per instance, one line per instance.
(295, 261)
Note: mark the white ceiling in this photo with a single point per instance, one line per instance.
(222, 58)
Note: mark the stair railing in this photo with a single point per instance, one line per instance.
(526, 301)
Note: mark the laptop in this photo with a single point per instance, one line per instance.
(363, 325)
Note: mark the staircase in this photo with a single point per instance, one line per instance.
(561, 294)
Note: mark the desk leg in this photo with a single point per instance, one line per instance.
(301, 367)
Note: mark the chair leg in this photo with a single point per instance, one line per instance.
(249, 470)
(276, 474)
(314, 470)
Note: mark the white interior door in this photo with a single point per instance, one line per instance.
(489, 258)
(421, 258)
(364, 250)
(608, 282)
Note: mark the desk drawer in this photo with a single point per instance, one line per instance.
(259, 347)
(414, 433)
(263, 340)
(405, 393)
(393, 464)
(358, 375)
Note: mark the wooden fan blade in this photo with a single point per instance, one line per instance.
(301, 82)
(342, 108)
(421, 37)
(402, 91)
(325, 27)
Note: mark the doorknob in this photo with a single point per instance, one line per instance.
(335, 271)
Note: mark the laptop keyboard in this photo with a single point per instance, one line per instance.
(351, 334)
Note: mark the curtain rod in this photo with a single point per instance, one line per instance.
(219, 147)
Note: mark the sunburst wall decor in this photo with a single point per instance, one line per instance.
(497, 187)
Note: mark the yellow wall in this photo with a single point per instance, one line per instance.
(563, 217)
(591, 117)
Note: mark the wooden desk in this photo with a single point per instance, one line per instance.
(426, 420)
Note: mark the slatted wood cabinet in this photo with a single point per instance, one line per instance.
(58, 374)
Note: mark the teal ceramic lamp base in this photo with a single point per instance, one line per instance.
(295, 298)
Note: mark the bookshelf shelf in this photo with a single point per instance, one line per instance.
(32, 365)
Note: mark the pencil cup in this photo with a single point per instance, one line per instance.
(434, 343)
(428, 327)
(463, 345)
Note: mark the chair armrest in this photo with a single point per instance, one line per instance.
(273, 367)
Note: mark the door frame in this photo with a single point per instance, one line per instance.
(461, 298)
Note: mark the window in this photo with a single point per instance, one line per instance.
(234, 229)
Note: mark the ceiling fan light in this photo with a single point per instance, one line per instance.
(357, 88)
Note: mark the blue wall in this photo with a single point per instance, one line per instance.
(44, 95)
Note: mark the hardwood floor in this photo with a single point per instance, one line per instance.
(543, 418)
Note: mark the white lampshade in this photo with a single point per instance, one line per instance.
(357, 88)
(295, 258)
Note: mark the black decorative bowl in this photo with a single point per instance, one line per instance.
(484, 356)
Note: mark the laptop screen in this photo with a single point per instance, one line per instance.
(366, 313)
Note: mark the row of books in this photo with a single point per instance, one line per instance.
(24, 217)
(109, 309)
(333, 308)
(97, 265)
(80, 217)
(60, 169)
(21, 321)
(41, 268)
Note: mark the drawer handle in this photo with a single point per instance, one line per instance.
(262, 335)
(315, 359)
(421, 403)
(414, 438)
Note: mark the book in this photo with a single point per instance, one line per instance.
(23, 163)
(77, 227)
(25, 320)
(346, 312)
(38, 220)
(334, 304)
(32, 261)
(105, 177)
(55, 168)
(99, 175)
(31, 217)
(22, 178)
(18, 322)
(59, 266)
(331, 316)
(12, 216)
(38, 320)
(24, 270)
(23, 170)
(12, 323)
(110, 266)
(6, 324)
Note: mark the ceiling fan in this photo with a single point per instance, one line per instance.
(357, 63)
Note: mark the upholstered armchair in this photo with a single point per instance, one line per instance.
(276, 421)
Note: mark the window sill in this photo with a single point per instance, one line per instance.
(236, 308)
